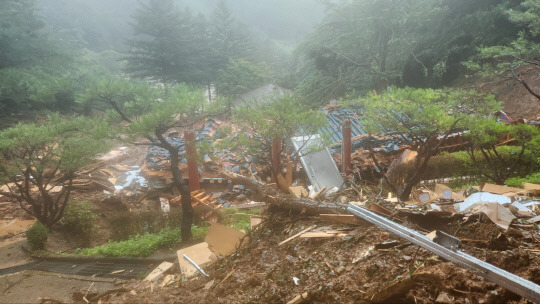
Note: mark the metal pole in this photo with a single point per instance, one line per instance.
(195, 265)
(510, 281)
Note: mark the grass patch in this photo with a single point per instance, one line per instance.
(518, 181)
(238, 219)
(145, 244)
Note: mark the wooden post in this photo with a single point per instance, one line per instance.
(276, 156)
(346, 147)
(191, 155)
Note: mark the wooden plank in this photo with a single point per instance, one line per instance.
(282, 183)
(534, 188)
(379, 209)
(316, 194)
(321, 235)
(289, 173)
(223, 240)
(198, 196)
(297, 235)
(498, 189)
(158, 272)
(200, 254)
(298, 191)
(341, 218)
(298, 299)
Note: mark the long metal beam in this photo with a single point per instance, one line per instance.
(510, 281)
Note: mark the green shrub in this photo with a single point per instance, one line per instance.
(460, 164)
(79, 217)
(143, 245)
(37, 236)
(239, 220)
(518, 181)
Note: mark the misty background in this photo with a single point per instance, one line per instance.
(104, 25)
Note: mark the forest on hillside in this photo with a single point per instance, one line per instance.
(323, 50)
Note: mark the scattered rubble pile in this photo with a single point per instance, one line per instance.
(339, 258)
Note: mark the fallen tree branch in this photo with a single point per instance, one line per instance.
(284, 201)
(106, 293)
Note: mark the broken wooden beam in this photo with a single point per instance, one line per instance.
(266, 193)
(297, 235)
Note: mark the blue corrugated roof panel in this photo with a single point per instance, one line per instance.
(336, 117)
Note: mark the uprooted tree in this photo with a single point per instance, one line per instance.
(494, 160)
(422, 119)
(38, 162)
(276, 122)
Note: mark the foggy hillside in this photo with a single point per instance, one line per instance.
(104, 24)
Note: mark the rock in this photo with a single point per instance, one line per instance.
(444, 298)
(340, 269)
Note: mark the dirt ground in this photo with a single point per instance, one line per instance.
(30, 286)
(517, 102)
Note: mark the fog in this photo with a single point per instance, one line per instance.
(105, 24)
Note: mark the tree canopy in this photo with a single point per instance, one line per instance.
(45, 157)
(421, 119)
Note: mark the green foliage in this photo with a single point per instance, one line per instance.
(241, 76)
(181, 101)
(505, 58)
(229, 38)
(528, 16)
(282, 118)
(143, 245)
(418, 117)
(170, 45)
(21, 40)
(518, 181)
(460, 164)
(128, 97)
(79, 217)
(32, 65)
(423, 113)
(37, 236)
(38, 153)
(238, 219)
(364, 45)
(485, 136)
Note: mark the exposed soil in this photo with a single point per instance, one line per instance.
(517, 102)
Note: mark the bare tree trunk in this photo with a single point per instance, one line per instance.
(187, 208)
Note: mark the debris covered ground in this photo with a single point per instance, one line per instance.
(297, 257)
(365, 264)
